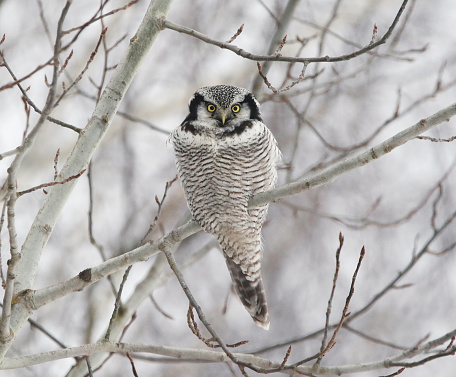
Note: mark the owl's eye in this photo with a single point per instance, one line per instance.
(211, 108)
(236, 108)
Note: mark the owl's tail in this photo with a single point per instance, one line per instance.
(251, 293)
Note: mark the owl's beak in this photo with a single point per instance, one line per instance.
(223, 117)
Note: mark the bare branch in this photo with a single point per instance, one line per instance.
(325, 59)
(193, 326)
(276, 91)
(92, 56)
(395, 373)
(83, 149)
(331, 296)
(331, 173)
(6, 334)
(69, 179)
(32, 104)
(117, 304)
(132, 365)
(237, 34)
(210, 355)
(372, 339)
(416, 257)
(437, 140)
(277, 40)
(345, 313)
(160, 205)
(95, 19)
(18, 81)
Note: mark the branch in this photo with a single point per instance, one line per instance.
(84, 148)
(157, 277)
(344, 315)
(94, 19)
(335, 171)
(15, 273)
(6, 333)
(325, 59)
(117, 304)
(215, 356)
(387, 288)
(33, 300)
(331, 296)
(437, 140)
(91, 349)
(32, 104)
(49, 184)
(282, 26)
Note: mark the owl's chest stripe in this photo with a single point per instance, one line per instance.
(239, 129)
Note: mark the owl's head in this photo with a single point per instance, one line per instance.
(224, 104)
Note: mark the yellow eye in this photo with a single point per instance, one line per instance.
(236, 108)
(211, 108)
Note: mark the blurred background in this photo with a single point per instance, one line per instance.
(392, 206)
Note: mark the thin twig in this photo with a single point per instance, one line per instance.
(89, 366)
(47, 333)
(449, 352)
(79, 77)
(285, 359)
(92, 238)
(166, 315)
(345, 313)
(127, 326)
(132, 365)
(397, 373)
(238, 32)
(331, 296)
(117, 303)
(105, 57)
(160, 205)
(211, 343)
(280, 47)
(102, 16)
(20, 193)
(372, 339)
(18, 81)
(44, 22)
(437, 140)
(32, 104)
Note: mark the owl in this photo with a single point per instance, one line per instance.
(224, 156)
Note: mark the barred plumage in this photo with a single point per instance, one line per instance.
(224, 156)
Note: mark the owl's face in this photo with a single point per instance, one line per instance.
(223, 106)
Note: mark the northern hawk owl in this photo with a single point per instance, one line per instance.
(225, 155)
